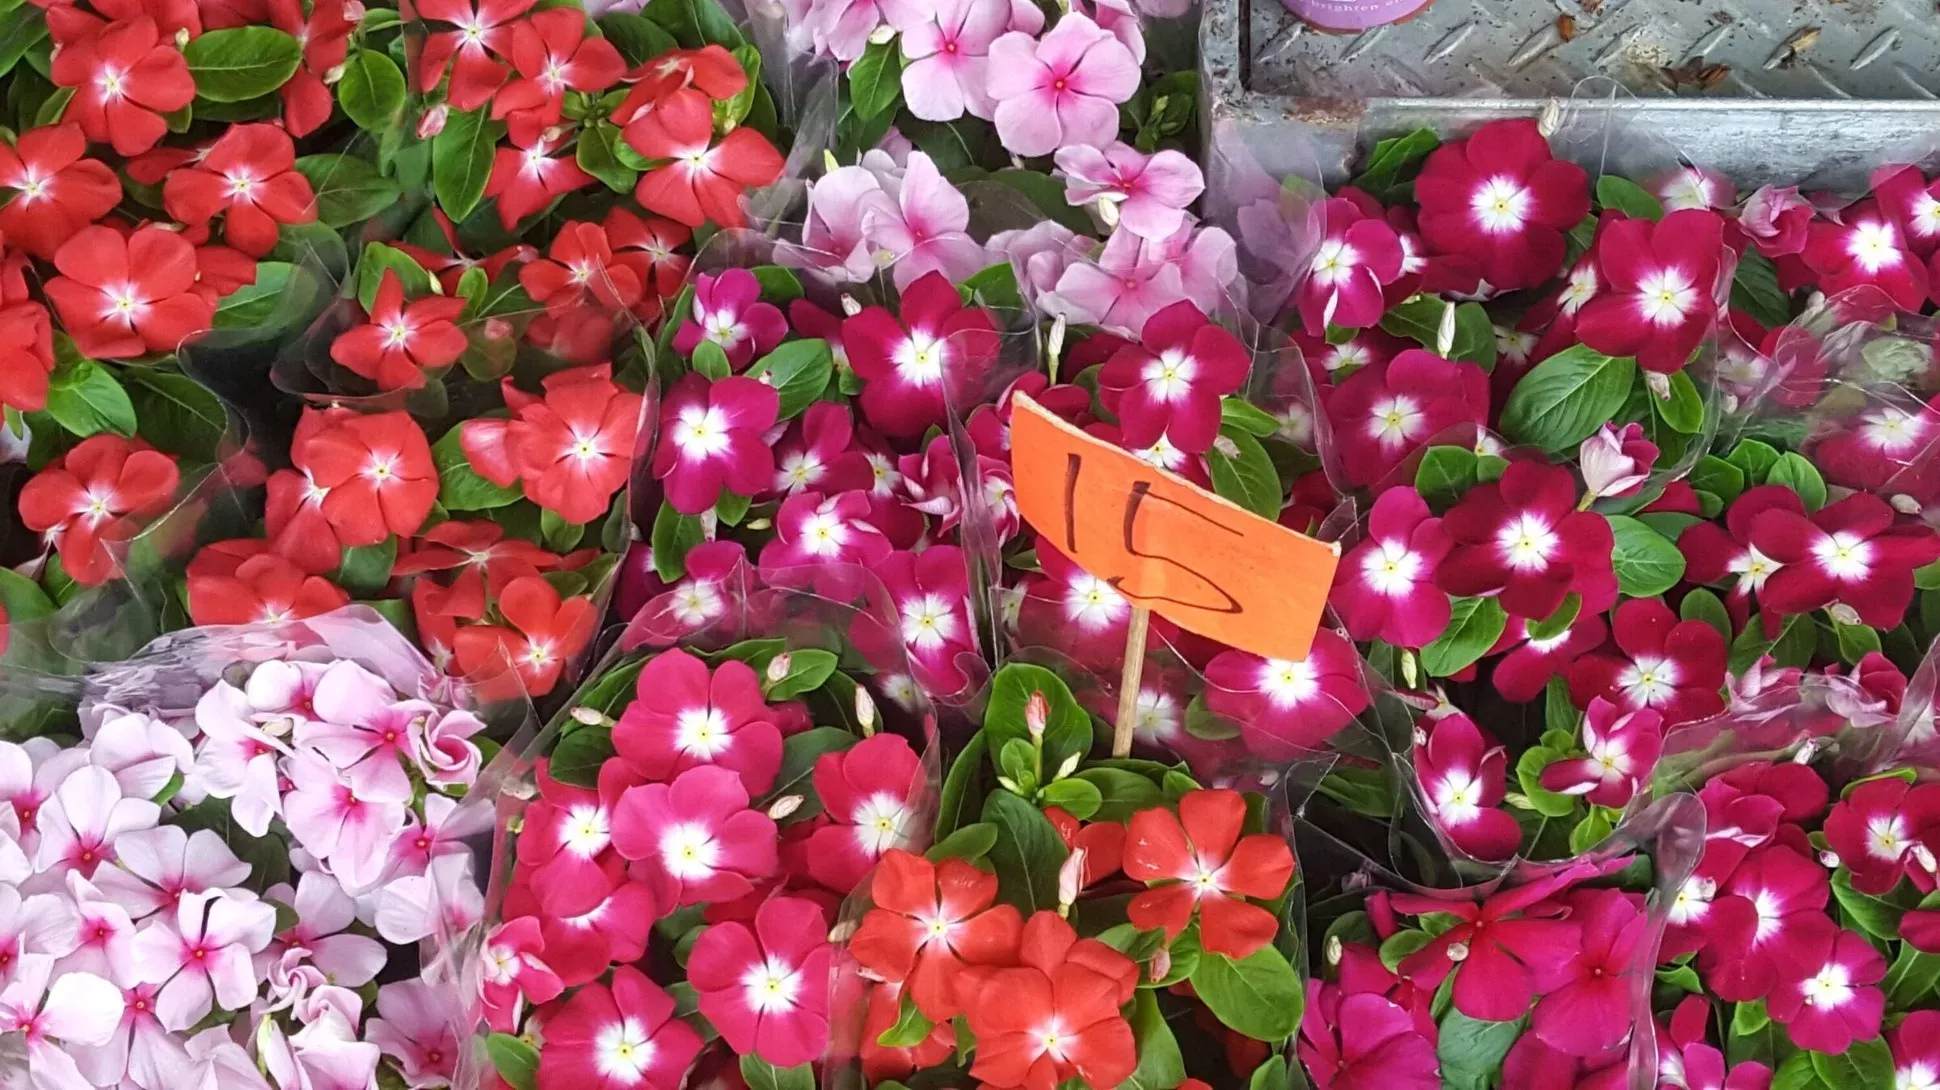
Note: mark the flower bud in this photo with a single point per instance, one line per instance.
(1659, 384)
(278, 727)
(591, 717)
(1905, 504)
(433, 121)
(1458, 952)
(1806, 752)
(1054, 345)
(1069, 766)
(1445, 333)
(1161, 964)
(1616, 463)
(865, 711)
(1037, 711)
(1333, 950)
(354, 11)
(1843, 613)
(182, 37)
(1070, 880)
(1829, 860)
(333, 75)
(784, 806)
(849, 305)
(1108, 211)
(842, 932)
(778, 667)
(882, 35)
(1225, 445)
(498, 329)
(1924, 855)
(760, 524)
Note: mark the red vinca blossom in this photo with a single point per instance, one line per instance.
(1522, 539)
(1198, 861)
(1170, 384)
(480, 28)
(1852, 552)
(527, 178)
(379, 473)
(702, 180)
(56, 190)
(1385, 587)
(125, 77)
(401, 341)
(245, 583)
(929, 921)
(1659, 282)
(546, 632)
(1359, 256)
(625, 1037)
(1057, 1015)
(249, 178)
(1676, 668)
(866, 792)
(572, 447)
(1500, 198)
(552, 54)
(125, 296)
(1384, 412)
(26, 342)
(93, 497)
(766, 987)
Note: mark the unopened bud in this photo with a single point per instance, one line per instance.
(1806, 752)
(1829, 860)
(849, 305)
(1333, 950)
(1108, 211)
(433, 121)
(1445, 333)
(784, 806)
(1054, 345)
(551, 135)
(498, 329)
(1008, 784)
(1924, 855)
(1905, 504)
(182, 37)
(333, 75)
(1550, 119)
(778, 666)
(1037, 711)
(1843, 613)
(1458, 952)
(1421, 737)
(1161, 964)
(591, 717)
(829, 161)
(882, 35)
(1071, 879)
(278, 727)
(1659, 383)
(1225, 445)
(1069, 766)
(842, 931)
(760, 524)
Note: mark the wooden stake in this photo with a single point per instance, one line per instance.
(1128, 682)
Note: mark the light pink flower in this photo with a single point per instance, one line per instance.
(143, 753)
(416, 1024)
(445, 753)
(29, 773)
(1616, 462)
(1039, 254)
(1118, 292)
(349, 829)
(140, 1050)
(325, 1054)
(442, 901)
(442, 831)
(365, 731)
(946, 61)
(918, 221)
(1151, 191)
(201, 956)
(1062, 89)
(53, 1013)
(833, 239)
(88, 933)
(324, 913)
(217, 1062)
(81, 823)
(159, 865)
(236, 758)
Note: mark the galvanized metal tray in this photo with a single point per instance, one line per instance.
(1815, 91)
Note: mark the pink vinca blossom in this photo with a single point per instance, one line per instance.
(159, 865)
(1854, 553)
(87, 933)
(1621, 750)
(946, 65)
(1462, 774)
(515, 972)
(201, 956)
(1062, 89)
(766, 988)
(1616, 461)
(683, 716)
(349, 827)
(1660, 281)
(623, 1037)
(82, 821)
(324, 913)
(918, 222)
(696, 837)
(143, 753)
(55, 1014)
(1148, 193)
(1500, 957)
(1523, 540)
(712, 438)
(729, 312)
(1385, 587)
(364, 731)
(1587, 1010)
(1502, 198)
(417, 1025)
(865, 792)
(1283, 707)
(916, 364)
(1359, 256)
(1363, 1042)
(1673, 667)
(567, 840)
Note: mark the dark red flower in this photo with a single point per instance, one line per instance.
(1172, 382)
(1851, 552)
(1659, 280)
(1362, 1041)
(1384, 412)
(1674, 667)
(1523, 539)
(915, 363)
(1463, 774)
(1500, 198)
(1864, 247)
(1499, 957)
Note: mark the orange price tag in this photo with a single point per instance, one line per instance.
(1200, 561)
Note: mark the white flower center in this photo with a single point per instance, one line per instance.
(1168, 378)
(1527, 543)
(1753, 568)
(1289, 684)
(1335, 261)
(622, 1051)
(771, 987)
(1886, 837)
(1875, 245)
(1844, 556)
(689, 851)
(584, 831)
(1666, 297)
(1582, 288)
(881, 823)
(1830, 989)
(1093, 604)
(702, 733)
(1893, 431)
(919, 359)
(701, 432)
(929, 622)
(1649, 681)
(1501, 205)
(1393, 421)
(1458, 798)
(1391, 568)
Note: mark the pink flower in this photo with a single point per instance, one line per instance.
(1913, 203)
(1880, 830)
(567, 836)
(1499, 957)
(728, 311)
(1462, 776)
(1587, 1009)
(1616, 462)
(711, 438)
(88, 934)
(930, 592)
(1501, 198)
(1866, 248)
(914, 366)
(1062, 89)
(1916, 1049)
(819, 453)
(618, 1039)
(442, 902)
(514, 973)
(1151, 192)
(157, 866)
(139, 1051)
(324, 913)
(1676, 668)
(1359, 256)
(364, 730)
(1076, 612)
(82, 821)
(1172, 382)
(349, 828)
(54, 1014)
(695, 837)
(1659, 285)
(1849, 552)
(1363, 1042)
(201, 956)
(1832, 997)
(1385, 587)
(1686, 1059)
(1777, 219)
(766, 989)
(1713, 554)
(1522, 539)
(919, 222)
(1622, 750)
(1285, 707)
(144, 753)
(682, 717)
(833, 238)
(825, 543)
(945, 64)
(865, 792)
(1385, 412)
(417, 1024)
(1750, 951)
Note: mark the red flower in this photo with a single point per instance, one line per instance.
(56, 190)
(449, 264)
(1831, 997)
(882, 1062)
(1659, 282)
(580, 270)
(917, 361)
(1384, 412)
(648, 246)
(242, 582)
(1867, 248)
(26, 341)
(325, 34)
(623, 1038)
(573, 447)
(249, 177)
(1675, 667)
(1587, 1010)
(1500, 198)
(552, 54)
(1849, 552)
(486, 560)
(528, 178)
(401, 342)
(1360, 256)
(1198, 860)
(1881, 830)
(711, 69)
(125, 78)
(1171, 383)
(121, 297)
(474, 74)
(378, 471)
(1523, 539)
(548, 634)
(1463, 775)
(712, 437)
(1056, 1016)
(931, 920)
(705, 180)
(92, 496)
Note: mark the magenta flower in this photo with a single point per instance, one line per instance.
(1778, 220)
(1686, 1059)
(1587, 1010)
(514, 973)
(818, 453)
(1523, 539)
(728, 311)
(695, 837)
(1385, 587)
(1832, 997)
(945, 57)
(865, 791)
(1787, 892)
(1880, 830)
(1062, 89)
(824, 542)
(1714, 555)
(1383, 413)
(349, 827)
(1171, 383)
(1866, 248)
(712, 437)
(1659, 284)
(919, 222)
(1673, 667)
(1359, 256)
(1533, 1065)
(1499, 958)
(1462, 776)
(83, 819)
(766, 988)
(682, 717)
(930, 592)
(1363, 1041)
(1621, 750)
(621, 1038)
(1616, 462)
(1282, 707)
(200, 957)
(1151, 192)
(1915, 1043)
(567, 836)
(1499, 197)
(1526, 664)
(1076, 612)
(1913, 203)
(915, 366)
(1849, 552)
(932, 484)
(1866, 452)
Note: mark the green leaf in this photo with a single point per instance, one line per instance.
(799, 753)
(696, 23)
(1471, 1051)
(1076, 797)
(875, 79)
(1120, 793)
(799, 371)
(1797, 1073)
(1560, 621)
(1628, 197)
(808, 668)
(372, 90)
(598, 154)
(349, 190)
(1567, 398)
(84, 399)
(177, 414)
(1801, 476)
(378, 259)
(1647, 563)
(1866, 1065)
(1755, 459)
(252, 305)
(1395, 161)
(1877, 916)
(365, 569)
(638, 38)
(1259, 996)
(1237, 412)
(759, 1074)
(1396, 947)
(1911, 979)
(1271, 1075)
(1444, 474)
(1473, 627)
(22, 27)
(1856, 641)
(1028, 853)
(1719, 477)
(1683, 411)
(515, 1059)
(578, 757)
(1529, 774)
(1702, 605)
(953, 801)
(1245, 475)
(910, 1028)
(973, 841)
(1591, 831)
(242, 63)
(1046, 192)
(673, 536)
(1067, 726)
(461, 160)
(780, 286)
(1755, 290)
(460, 488)
(1160, 1065)
(710, 359)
